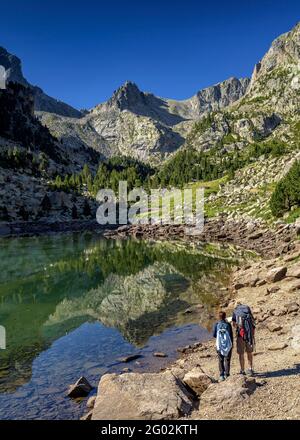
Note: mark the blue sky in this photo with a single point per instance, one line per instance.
(81, 51)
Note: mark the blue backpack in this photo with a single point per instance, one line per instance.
(223, 340)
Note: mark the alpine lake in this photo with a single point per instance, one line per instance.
(73, 304)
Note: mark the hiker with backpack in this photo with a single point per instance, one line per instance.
(222, 331)
(244, 323)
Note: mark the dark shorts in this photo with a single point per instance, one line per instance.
(243, 346)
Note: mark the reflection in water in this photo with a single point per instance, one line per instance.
(52, 287)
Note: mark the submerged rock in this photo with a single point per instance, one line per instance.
(80, 389)
(160, 354)
(130, 358)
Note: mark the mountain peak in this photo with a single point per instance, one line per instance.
(42, 102)
(13, 66)
(126, 96)
(284, 53)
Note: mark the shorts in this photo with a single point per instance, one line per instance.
(243, 346)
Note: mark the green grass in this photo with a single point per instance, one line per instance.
(293, 216)
(210, 187)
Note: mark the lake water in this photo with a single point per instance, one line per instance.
(74, 304)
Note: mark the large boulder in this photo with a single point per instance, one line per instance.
(148, 396)
(228, 394)
(249, 279)
(197, 381)
(294, 271)
(276, 274)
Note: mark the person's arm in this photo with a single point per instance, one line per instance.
(253, 319)
(230, 332)
(233, 319)
(215, 330)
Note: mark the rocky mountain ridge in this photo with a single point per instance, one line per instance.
(151, 128)
(242, 111)
(42, 101)
(228, 117)
(141, 124)
(269, 108)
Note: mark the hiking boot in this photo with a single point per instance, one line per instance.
(250, 372)
(226, 376)
(221, 378)
(243, 372)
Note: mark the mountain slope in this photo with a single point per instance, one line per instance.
(269, 108)
(141, 124)
(30, 159)
(42, 102)
(237, 126)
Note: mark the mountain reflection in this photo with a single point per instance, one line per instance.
(51, 285)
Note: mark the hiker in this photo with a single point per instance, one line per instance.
(244, 323)
(224, 341)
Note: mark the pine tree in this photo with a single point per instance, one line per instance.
(86, 173)
(58, 182)
(4, 214)
(86, 209)
(23, 213)
(74, 212)
(46, 204)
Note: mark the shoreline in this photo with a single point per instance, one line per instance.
(191, 380)
(271, 287)
(36, 229)
(251, 235)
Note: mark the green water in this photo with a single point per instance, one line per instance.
(73, 304)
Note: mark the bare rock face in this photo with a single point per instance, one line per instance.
(276, 274)
(197, 381)
(283, 51)
(228, 394)
(147, 396)
(219, 95)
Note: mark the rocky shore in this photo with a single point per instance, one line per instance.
(188, 389)
(252, 235)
